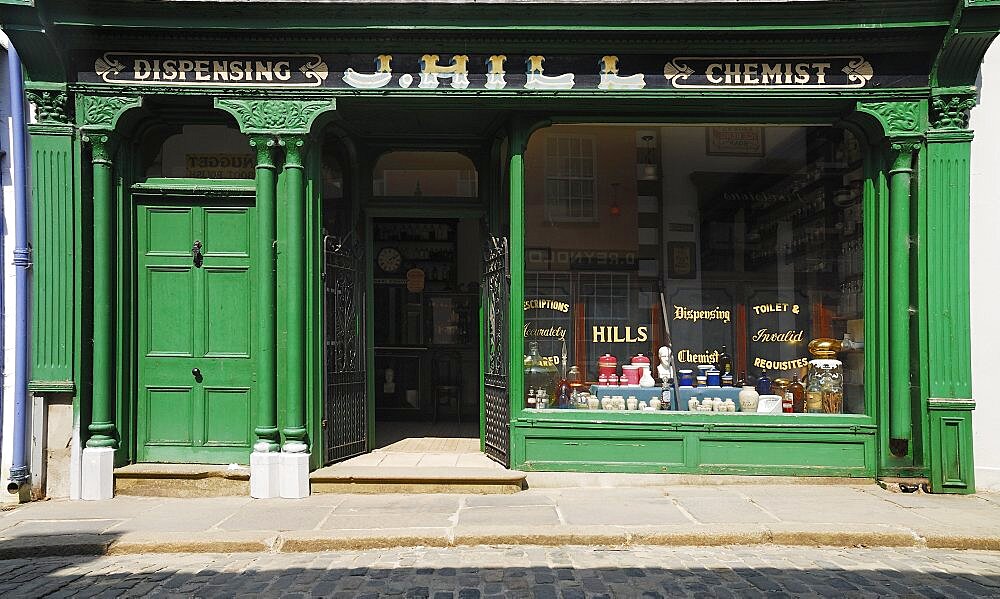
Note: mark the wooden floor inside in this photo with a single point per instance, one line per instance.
(427, 437)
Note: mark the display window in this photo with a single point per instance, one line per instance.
(694, 268)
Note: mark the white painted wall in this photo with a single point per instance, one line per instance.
(7, 257)
(985, 274)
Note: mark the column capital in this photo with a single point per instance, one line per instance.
(257, 115)
(295, 146)
(51, 106)
(101, 145)
(264, 145)
(949, 110)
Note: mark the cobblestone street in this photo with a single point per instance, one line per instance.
(525, 571)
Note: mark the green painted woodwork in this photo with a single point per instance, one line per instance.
(54, 324)
(267, 410)
(934, 357)
(519, 135)
(951, 446)
(102, 428)
(694, 447)
(294, 202)
(275, 116)
(195, 317)
(900, 188)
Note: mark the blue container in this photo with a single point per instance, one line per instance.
(686, 378)
(714, 378)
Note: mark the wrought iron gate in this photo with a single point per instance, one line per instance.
(345, 409)
(496, 347)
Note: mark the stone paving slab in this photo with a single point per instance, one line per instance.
(668, 516)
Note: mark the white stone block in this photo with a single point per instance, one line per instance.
(294, 475)
(265, 480)
(97, 480)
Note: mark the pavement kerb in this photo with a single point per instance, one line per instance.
(619, 537)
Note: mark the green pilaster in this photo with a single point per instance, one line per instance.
(945, 316)
(102, 428)
(54, 324)
(267, 408)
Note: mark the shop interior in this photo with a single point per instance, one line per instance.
(688, 251)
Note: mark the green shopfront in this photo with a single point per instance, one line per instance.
(702, 238)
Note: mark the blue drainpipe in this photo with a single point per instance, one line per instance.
(19, 470)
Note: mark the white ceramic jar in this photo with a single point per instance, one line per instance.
(749, 398)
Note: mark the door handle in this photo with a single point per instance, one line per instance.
(196, 373)
(197, 256)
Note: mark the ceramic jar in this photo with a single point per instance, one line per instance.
(630, 374)
(607, 365)
(749, 398)
(647, 379)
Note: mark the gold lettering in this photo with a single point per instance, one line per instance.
(802, 73)
(821, 68)
(770, 73)
(712, 78)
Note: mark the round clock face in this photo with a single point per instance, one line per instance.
(389, 259)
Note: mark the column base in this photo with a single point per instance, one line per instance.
(294, 475)
(265, 468)
(97, 480)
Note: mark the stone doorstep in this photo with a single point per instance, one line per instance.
(199, 480)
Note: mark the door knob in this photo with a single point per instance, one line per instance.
(196, 373)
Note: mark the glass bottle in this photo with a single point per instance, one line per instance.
(798, 394)
(814, 393)
(763, 383)
(564, 393)
(532, 400)
(539, 373)
(725, 362)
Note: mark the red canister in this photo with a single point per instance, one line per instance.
(607, 365)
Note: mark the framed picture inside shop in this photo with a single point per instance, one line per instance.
(681, 260)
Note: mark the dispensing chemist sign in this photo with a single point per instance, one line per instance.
(482, 72)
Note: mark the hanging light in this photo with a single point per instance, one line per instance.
(615, 209)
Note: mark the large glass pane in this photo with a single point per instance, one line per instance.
(722, 254)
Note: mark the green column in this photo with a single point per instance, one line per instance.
(267, 406)
(295, 251)
(900, 418)
(102, 428)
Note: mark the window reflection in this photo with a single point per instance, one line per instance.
(738, 248)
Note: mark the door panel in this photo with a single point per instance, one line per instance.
(173, 290)
(168, 415)
(196, 370)
(227, 328)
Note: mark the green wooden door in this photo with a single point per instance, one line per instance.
(196, 373)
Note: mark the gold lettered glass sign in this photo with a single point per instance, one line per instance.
(498, 71)
(701, 322)
(778, 331)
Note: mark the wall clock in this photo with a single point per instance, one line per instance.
(389, 260)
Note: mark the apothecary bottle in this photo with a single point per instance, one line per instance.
(798, 394)
(539, 372)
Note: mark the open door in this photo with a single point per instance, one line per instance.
(345, 405)
(496, 349)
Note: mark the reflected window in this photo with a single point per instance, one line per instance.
(431, 174)
(204, 152)
(731, 253)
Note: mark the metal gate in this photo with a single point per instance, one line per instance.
(496, 347)
(345, 409)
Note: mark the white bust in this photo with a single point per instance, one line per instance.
(665, 369)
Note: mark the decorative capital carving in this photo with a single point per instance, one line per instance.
(897, 118)
(294, 149)
(275, 116)
(50, 105)
(904, 149)
(100, 146)
(103, 112)
(264, 146)
(951, 111)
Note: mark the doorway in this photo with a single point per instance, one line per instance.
(425, 307)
